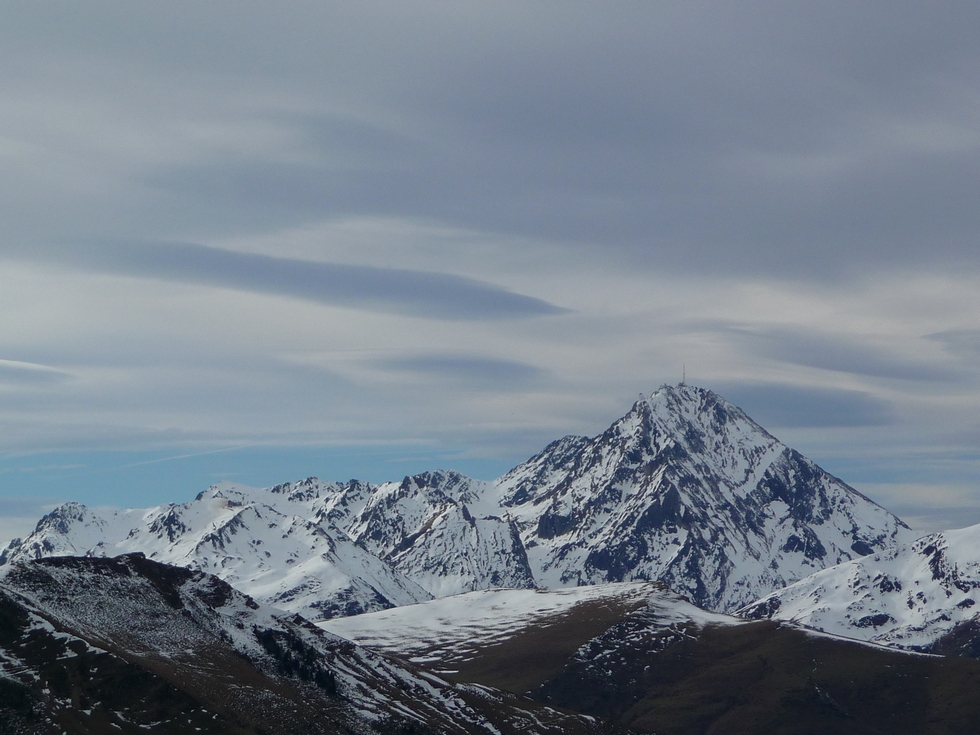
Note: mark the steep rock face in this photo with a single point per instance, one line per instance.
(688, 490)
(128, 645)
(923, 596)
(281, 559)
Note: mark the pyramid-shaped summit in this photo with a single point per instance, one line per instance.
(687, 489)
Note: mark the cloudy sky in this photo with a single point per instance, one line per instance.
(260, 241)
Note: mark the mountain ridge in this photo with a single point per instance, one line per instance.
(684, 488)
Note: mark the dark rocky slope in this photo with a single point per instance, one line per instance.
(99, 645)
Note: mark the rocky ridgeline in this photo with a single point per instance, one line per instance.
(684, 489)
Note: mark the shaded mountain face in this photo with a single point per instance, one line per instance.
(90, 645)
(684, 489)
(923, 596)
(688, 490)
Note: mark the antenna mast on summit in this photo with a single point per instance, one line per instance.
(683, 373)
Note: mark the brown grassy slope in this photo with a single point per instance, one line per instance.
(758, 677)
(766, 678)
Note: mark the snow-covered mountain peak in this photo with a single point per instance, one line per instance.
(690, 403)
(438, 488)
(294, 495)
(676, 426)
(699, 424)
(443, 530)
(685, 489)
(682, 405)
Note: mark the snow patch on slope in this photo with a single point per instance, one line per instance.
(455, 625)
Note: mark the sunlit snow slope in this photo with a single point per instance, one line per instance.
(922, 596)
(451, 631)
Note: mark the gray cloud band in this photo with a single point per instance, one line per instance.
(735, 141)
(834, 352)
(474, 371)
(777, 405)
(410, 292)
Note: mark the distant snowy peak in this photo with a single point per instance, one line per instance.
(686, 489)
(920, 596)
(703, 425)
(281, 559)
(309, 498)
(72, 529)
(677, 424)
(458, 552)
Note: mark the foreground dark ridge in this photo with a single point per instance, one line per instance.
(97, 645)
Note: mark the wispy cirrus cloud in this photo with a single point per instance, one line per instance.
(27, 373)
(836, 352)
(396, 290)
(475, 372)
(802, 175)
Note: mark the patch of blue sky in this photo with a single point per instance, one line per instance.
(146, 478)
